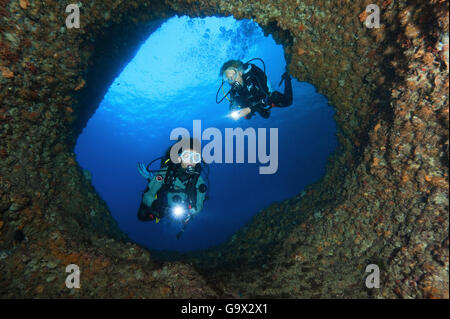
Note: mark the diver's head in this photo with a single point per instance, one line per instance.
(231, 72)
(189, 159)
(187, 153)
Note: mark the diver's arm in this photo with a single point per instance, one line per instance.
(146, 209)
(154, 186)
(234, 105)
(186, 221)
(236, 110)
(261, 92)
(245, 111)
(200, 195)
(241, 113)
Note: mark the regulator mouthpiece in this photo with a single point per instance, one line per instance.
(236, 86)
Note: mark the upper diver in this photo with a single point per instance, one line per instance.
(177, 187)
(250, 90)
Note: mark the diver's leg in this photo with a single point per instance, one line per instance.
(287, 90)
(277, 99)
(261, 109)
(144, 213)
(265, 113)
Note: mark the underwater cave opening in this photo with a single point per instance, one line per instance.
(171, 82)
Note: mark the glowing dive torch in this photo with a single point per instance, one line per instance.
(178, 211)
(235, 115)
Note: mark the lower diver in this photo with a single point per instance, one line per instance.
(177, 187)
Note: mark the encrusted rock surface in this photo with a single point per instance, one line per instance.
(383, 200)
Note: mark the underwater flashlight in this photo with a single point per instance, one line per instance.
(178, 211)
(235, 115)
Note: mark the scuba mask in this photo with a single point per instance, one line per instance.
(232, 80)
(191, 156)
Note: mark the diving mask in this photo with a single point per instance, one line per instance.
(191, 156)
(232, 78)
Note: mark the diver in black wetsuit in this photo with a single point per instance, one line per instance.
(251, 92)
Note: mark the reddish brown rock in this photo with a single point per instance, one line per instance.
(383, 200)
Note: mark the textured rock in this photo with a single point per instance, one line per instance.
(383, 200)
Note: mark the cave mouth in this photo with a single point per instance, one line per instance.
(171, 81)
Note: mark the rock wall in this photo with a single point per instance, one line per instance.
(383, 200)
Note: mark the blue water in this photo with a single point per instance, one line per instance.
(172, 81)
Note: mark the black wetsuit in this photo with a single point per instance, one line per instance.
(255, 93)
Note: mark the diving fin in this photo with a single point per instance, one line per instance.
(143, 171)
(157, 220)
(284, 77)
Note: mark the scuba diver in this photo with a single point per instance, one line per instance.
(251, 91)
(177, 187)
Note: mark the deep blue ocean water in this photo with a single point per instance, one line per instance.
(172, 81)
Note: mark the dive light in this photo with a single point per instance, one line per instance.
(178, 211)
(235, 115)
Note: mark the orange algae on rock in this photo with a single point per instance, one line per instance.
(80, 85)
(300, 51)
(7, 73)
(24, 4)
